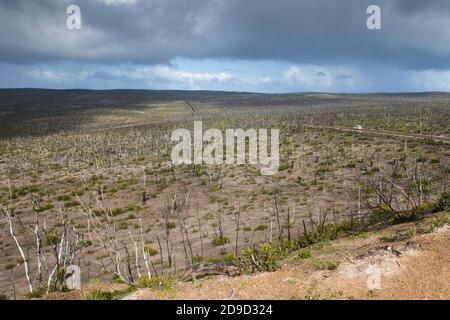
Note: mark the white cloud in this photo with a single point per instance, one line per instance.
(211, 76)
(158, 76)
(61, 77)
(314, 77)
(431, 80)
(163, 73)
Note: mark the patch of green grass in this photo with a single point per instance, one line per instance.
(371, 294)
(229, 259)
(99, 295)
(36, 293)
(261, 227)
(63, 197)
(52, 239)
(86, 244)
(123, 225)
(71, 204)
(109, 295)
(438, 222)
(387, 239)
(443, 204)
(171, 225)
(21, 192)
(157, 283)
(151, 252)
(304, 254)
(325, 264)
(116, 211)
(267, 257)
(46, 207)
(220, 241)
(411, 233)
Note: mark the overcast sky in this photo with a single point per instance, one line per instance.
(239, 45)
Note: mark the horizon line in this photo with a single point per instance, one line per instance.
(230, 91)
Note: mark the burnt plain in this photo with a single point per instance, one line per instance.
(102, 158)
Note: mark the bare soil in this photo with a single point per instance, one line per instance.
(416, 269)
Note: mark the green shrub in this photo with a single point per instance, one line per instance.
(123, 226)
(443, 204)
(379, 214)
(86, 244)
(36, 293)
(438, 222)
(52, 239)
(63, 197)
(77, 193)
(99, 295)
(261, 228)
(305, 254)
(425, 208)
(71, 204)
(387, 239)
(117, 211)
(151, 252)
(157, 283)
(220, 241)
(229, 259)
(264, 258)
(411, 233)
(323, 234)
(171, 225)
(326, 264)
(45, 207)
(267, 257)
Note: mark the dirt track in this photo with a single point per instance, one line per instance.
(407, 135)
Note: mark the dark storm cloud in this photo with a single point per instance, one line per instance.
(415, 34)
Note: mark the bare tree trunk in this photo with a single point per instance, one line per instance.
(8, 213)
(161, 254)
(289, 224)
(238, 218)
(13, 283)
(200, 230)
(277, 215)
(144, 252)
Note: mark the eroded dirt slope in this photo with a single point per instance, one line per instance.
(417, 268)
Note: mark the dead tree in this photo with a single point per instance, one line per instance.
(63, 246)
(13, 280)
(144, 251)
(9, 216)
(402, 191)
(65, 250)
(200, 231)
(277, 215)
(238, 219)
(118, 255)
